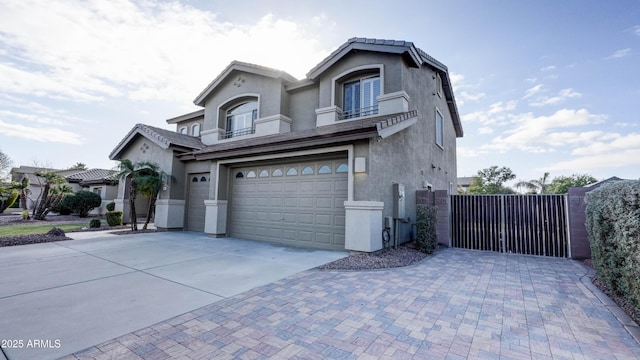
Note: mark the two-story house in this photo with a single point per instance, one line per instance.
(309, 162)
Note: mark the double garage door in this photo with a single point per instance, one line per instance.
(298, 204)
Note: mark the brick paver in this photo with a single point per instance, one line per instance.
(456, 304)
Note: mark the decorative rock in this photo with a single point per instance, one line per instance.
(56, 232)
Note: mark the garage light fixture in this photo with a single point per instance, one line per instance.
(360, 165)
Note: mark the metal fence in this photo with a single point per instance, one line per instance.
(522, 224)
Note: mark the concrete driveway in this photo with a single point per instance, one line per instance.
(59, 298)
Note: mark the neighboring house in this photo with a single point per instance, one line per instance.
(101, 181)
(464, 183)
(309, 162)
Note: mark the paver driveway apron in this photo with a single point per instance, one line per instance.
(71, 295)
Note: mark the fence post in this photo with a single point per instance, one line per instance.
(503, 227)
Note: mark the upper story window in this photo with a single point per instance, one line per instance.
(183, 130)
(361, 97)
(241, 119)
(439, 129)
(195, 130)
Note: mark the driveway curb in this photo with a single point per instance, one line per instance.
(632, 328)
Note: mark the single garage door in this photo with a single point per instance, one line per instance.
(298, 204)
(198, 192)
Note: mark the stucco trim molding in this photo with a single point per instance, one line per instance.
(363, 225)
(215, 218)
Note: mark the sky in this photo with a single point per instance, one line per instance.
(541, 86)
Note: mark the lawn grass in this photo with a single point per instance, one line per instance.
(13, 230)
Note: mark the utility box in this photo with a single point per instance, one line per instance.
(398, 201)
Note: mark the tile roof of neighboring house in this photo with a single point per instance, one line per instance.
(342, 132)
(72, 175)
(92, 176)
(161, 137)
(601, 182)
(246, 67)
(465, 181)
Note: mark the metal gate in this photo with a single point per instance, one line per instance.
(522, 224)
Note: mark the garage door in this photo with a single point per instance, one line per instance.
(198, 192)
(298, 204)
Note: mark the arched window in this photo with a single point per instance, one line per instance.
(195, 179)
(276, 172)
(251, 174)
(195, 130)
(239, 175)
(203, 179)
(308, 170)
(292, 172)
(342, 168)
(264, 173)
(241, 118)
(183, 130)
(324, 169)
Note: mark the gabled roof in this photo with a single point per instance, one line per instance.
(161, 137)
(411, 53)
(83, 177)
(244, 67)
(91, 175)
(342, 132)
(189, 116)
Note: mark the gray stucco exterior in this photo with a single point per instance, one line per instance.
(302, 119)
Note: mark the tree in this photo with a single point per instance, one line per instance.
(150, 183)
(536, 186)
(491, 181)
(23, 189)
(5, 164)
(54, 189)
(79, 166)
(561, 184)
(134, 172)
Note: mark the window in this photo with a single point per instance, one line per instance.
(195, 179)
(438, 85)
(276, 172)
(292, 172)
(195, 130)
(239, 175)
(324, 169)
(251, 174)
(203, 179)
(97, 190)
(183, 130)
(241, 118)
(439, 129)
(308, 170)
(342, 168)
(264, 173)
(361, 97)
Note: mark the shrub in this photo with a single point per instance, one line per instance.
(114, 218)
(426, 238)
(613, 226)
(111, 206)
(84, 201)
(25, 215)
(8, 196)
(95, 223)
(64, 207)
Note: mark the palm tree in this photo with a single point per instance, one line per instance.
(539, 186)
(150, 183)
(55, 188)
(23, 189)
(136, 172)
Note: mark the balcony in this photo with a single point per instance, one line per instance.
(239, 132)
(371, 110)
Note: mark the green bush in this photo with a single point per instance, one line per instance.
(25, 215)
(426, 238)
(84, 201)
(111, 206)
(95, 223)
(114, 218)
(64, 207)
(8, 196)
(613, 226)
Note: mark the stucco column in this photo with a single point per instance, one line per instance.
(363, 225)
(169, 214)
(215, 218)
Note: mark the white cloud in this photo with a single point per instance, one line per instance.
(534, 90)
(142, 50)
(636, 30)
(464, 152)
(485, 130)
(495, 114)
(548, 68)
(464, 92)
(537, 134)
(42, 134)
(583, 164)
(620, 54)
(531, 79)
(561, 97)
(602, 146)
